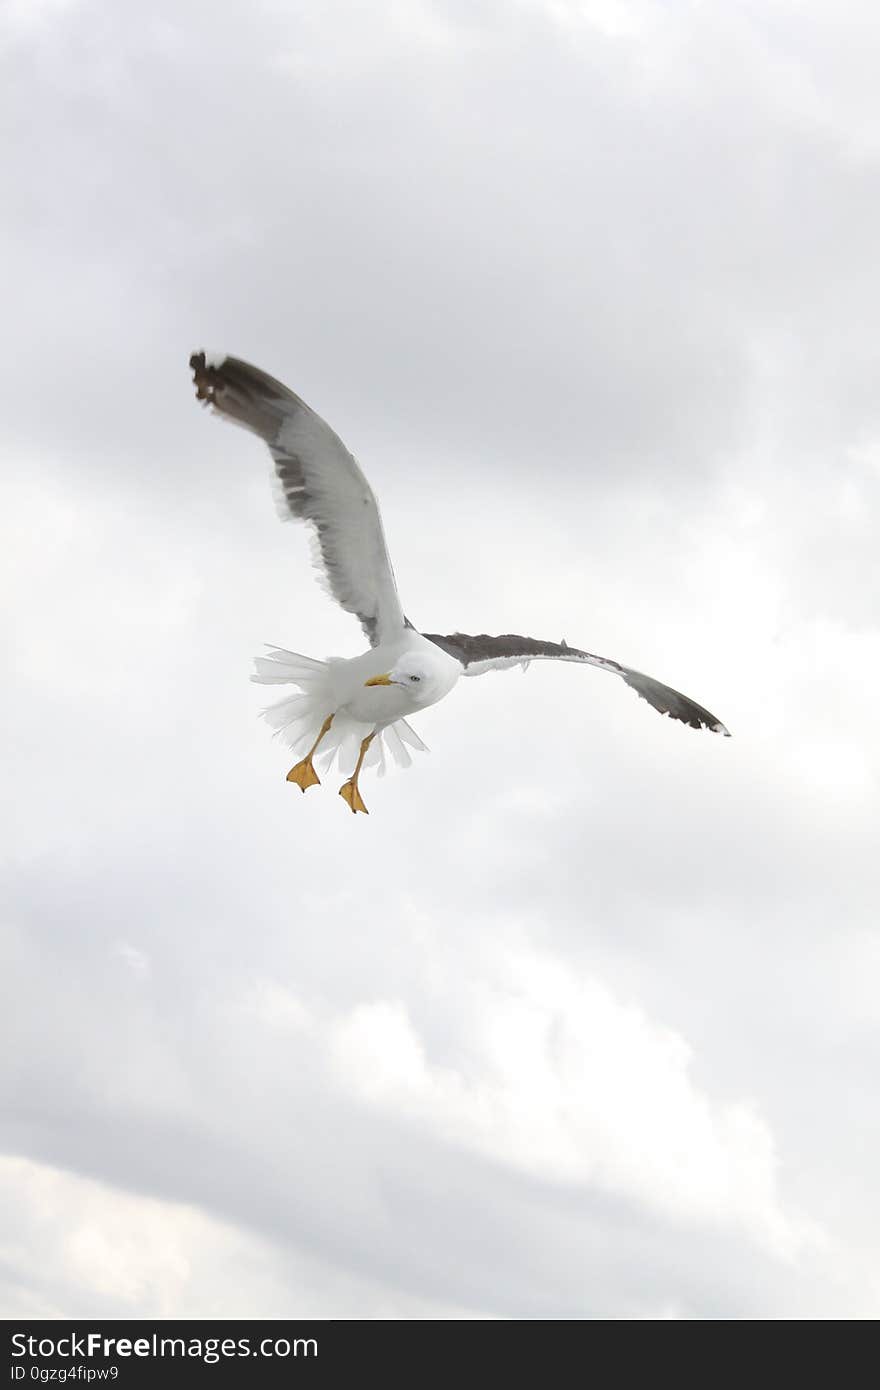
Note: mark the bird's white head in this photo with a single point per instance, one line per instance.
(425, 677)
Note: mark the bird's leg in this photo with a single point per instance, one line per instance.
(304, 774)
(349, 790)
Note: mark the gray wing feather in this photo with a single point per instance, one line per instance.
(321, 483)
(483, 653)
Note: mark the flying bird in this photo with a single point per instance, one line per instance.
(357, 708)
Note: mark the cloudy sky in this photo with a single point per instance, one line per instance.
(584, 1019)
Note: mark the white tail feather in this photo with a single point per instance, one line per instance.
(409, 735)
(297, 719)
(267, 673)
(291, 668)
(295, 709)
(397, 748)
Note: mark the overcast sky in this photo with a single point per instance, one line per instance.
(584, 1019)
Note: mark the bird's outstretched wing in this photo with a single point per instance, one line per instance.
(321, 483)
(480, 654)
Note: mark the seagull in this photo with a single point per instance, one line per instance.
(358, 707)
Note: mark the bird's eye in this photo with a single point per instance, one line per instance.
(415, 678)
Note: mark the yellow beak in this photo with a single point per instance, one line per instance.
(380, 680)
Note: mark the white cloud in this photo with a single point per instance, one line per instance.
(82, 1248)
(568, 1083)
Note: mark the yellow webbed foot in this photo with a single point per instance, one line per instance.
(304, 775)
(350, 794)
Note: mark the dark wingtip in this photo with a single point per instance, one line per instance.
(713, 725)
(203, 376)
